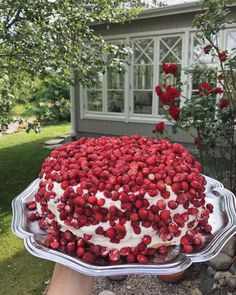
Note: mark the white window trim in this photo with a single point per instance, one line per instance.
(132, 114)
(128, 115)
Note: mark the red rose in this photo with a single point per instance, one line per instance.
(160, 126)
(207, 48)
(170, 69)
(164, 98)
(174, 111)
(172, 92)
(158, 90)
(205, 88)
(222, 56)
(218, 90)
(223, 103)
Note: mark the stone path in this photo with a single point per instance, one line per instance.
(196, 282)
(54, 143)
(216, 277)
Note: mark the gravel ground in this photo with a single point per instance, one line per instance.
(195, 282)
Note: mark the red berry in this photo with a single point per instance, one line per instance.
(31, 216)
(71, 247)
(184, 240)
(120, 227)
(100, 202)
(110, 233)
(114, 255)
(187, 249)
(142, 212)
(55, 245)
(172, 205)
(88, 257)
(87, 237)
(31, 205)
(197, 241)
(95, 249)
(134, 216)
(125, 251)
(99, 230)
(161, 186)
(79, 201)
(172, 228)
(42, 224)
(137, 230)
(142, 259)
(131, 258)
(161, 205)
(163, 250)
(92, 200)
(146, 239)
(165, 215)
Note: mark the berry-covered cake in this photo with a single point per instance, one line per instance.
(121, 200)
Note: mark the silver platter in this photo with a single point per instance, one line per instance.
(222, 220)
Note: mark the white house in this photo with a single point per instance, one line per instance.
(125, 104)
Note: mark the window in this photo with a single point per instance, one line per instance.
(130, 95)
(199, 59)
(231, 41)
(143, 67)
(107, 95)
(95, 95)
(115, 91)
(170, 52)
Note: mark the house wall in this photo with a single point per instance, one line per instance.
(147, 25)
(108, 126)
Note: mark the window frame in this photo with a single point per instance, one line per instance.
(128, 115)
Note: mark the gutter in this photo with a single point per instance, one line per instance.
(170, 10)
(173, 9)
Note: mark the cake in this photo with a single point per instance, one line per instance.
(121, 199)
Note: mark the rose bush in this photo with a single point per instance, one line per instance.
(209, 117)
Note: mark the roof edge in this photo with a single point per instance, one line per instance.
(170, 9)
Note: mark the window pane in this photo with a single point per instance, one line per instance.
(231, 41)
(143, 50)
(170, 41)
(98, 78)
(94, 100)
(171, 79)
(143, 102)
(198, 54)
(143, 77)
(169, 58)
(115, 100)
(115, 80)
(143, 59)
(171, 49)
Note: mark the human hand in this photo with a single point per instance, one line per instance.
(69, 282)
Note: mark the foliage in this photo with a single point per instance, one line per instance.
(209, 117)
(51, 36)
(50, 101)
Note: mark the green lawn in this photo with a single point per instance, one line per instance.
(21, 156)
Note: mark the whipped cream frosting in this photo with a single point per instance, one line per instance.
(131, 239)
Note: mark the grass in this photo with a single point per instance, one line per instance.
(21, 156)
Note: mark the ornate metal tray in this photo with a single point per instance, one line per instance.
(223, 221)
